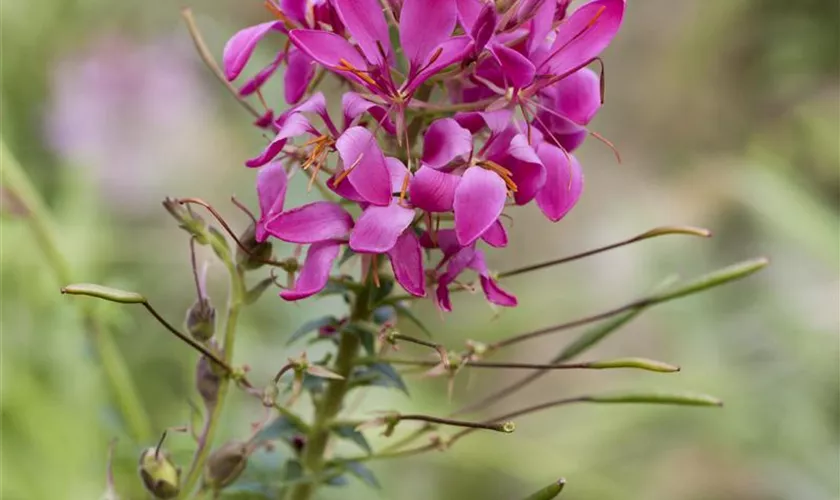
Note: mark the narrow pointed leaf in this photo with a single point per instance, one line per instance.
(665, 398)
(104, 292)
(311, 326)
(713, 279)
(638, 363)
(349, 432)
(549, 492)
(363, 473)
(320, 371)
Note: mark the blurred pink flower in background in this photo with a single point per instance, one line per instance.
(134, 115)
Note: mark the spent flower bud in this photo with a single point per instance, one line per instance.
(201, 320)
(226, 464)
(160, 476)
(207, 380)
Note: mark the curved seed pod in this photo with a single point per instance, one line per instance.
(226, 464)
(160, 476)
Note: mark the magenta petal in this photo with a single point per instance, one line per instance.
(378, 228)
(315, 273)
(294, 10)
(577, 97)
(294, 125)
(479, 200)
(432, 190)
(318, 221)
(518, 71)
(451, 51)
(271, 193)
(365, 21)
(359, 150)
(496, 235)
(425, 24)
(407, 263)
(345, 190)
(241, 46)
(328, 49)
(300, 68)
(496, 294)
(484, 27)
(444, 141)
(468, 12)
(528, 172)
(496, 121)
(563, 185)
(397, 170)
(262, 76)
(354, 105)
(584, 35)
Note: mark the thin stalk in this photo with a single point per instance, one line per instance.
(236, 301)
(505, 427)
(327, 409)
(112, 362)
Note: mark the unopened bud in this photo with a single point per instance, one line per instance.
(160, 476)
(298, 443)
(226, 464)
(207, 381)
(187, 220)
(201, 320)
(257, 254)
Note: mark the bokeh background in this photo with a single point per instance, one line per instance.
(726, 115)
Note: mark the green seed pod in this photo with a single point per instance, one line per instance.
(160, 476)
(207, 381)
(257, 252)
(201, 320)
(226, 464)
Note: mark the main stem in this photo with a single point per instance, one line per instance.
(331, 403)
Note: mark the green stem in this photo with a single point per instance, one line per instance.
(330, 405)
(114, 366)
(238, 294)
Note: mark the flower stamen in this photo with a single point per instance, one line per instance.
(504, 173)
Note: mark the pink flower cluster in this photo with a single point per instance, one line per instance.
(514, 96)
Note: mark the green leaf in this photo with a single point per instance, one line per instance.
(104, 292)
(255, 293)
(279, 428)
(388, 377)
(311, 326)
(349, 432)
(403, 310)
(685, 399)
(713, 279)
(363, 473)
(367, 336)
(549, 492)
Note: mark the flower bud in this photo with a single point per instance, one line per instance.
(257, 252)
(207, 381)
(160, 476)
(201, 320)
(226, 464)
(187, 220)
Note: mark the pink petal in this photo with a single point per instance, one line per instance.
(241, 46)
(542, 20)
(492, 290)
(407, 263)
(318, 221)
(496, 235)
(328, 49)
(474, 121)
(358, 149)
(444, 141)
(355, 105)
(294, 125)
(468, 12)
(397, 170)
(262, 76)
(432, 190)
(451, 51)
(484, 28)
(425, 24)
(271, 193)
(528, 172)
(563, 185)
(300, 68)
(365, 21)
(479, 200)
(583, 36)
(294, 10)
(378, 228)
(315, 273)
(518, 71)
(577, 97)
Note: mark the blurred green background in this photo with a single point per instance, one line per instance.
(726, 115)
